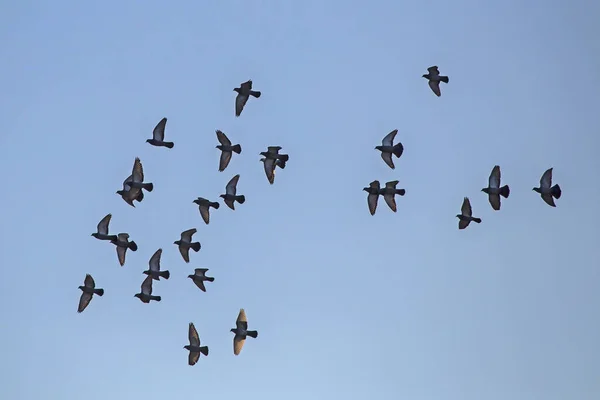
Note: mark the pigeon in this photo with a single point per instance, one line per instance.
(270, 165)
(494, 190)
(374, 191)
(123, 244)
(146, 294)
(434, 78)
(226, 150)
(548, 192)
(389, 194)
(243, 93)
(230, 196)
(128, 194)
(102, 229)
(186, 243)
(241, 331)
(194, 346)
(154, 270)
(137, 181)
(199, 277)
(272, 153)
(388, 148)
(158, 136)
(466, 215)
(204, 205)
(89, 290)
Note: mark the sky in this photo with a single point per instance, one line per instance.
(347, 305)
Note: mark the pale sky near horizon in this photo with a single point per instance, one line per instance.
(347, 305)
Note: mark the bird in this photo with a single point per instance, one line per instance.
(194, 347)
(158, 135)
(226, 150)
(199, 277)
(154, 270)
(102, 229)
(123, 244)
(434, 78)
(388, 148)
(230, 196)
(243, 93)
(137, 181)
(128, 194)
(466, 215)
(241, 331)
(270, 165)
(389, 194)
(494, 190)
(185, 244)
(204, 206)
(272, 153)
(88, 291)
(146, 294)
(546, 190)
(374, 192)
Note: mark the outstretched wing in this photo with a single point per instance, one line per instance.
(103, 225)
(269, 169)
(89, 281)
(224, 160)
(222, 138)
(240, 102)
(193, 335)
(435, 87)
(388, 140)
(138, 171)
(231, 187)
(546, 180)
(494, 180)
(159, 131)
(433, 70)
(242, 321)
(147, 286)
(466, 207)
(155, 261)
(84, 300)
(186, 236)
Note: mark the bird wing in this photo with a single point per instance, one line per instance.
(200, 284)
(231, 187)
(548, 199)
(222, 138)
(193, 335)
(269, 169)
(185, 253)
(388, 140)
(155, 261)
(466, 207)
(463, 223)
(238, 344)
(193, 357)
(242, 321)
(546, 180)
(435, 86)
(103, 224)
(204, 213)
(494, 180)
(84, 300)
(372, 202)
(433, 70)
(89, 281)
(123, 237)
(230, 203)
(186, 236)
(224, 160)
(126, 186)
(374, 185)
(240, 102)
(138, 171)
(246, 85)
(159, 130)
(121, 251)
(147, 286)
(200, 271)
(391, 184)
(390, 199)
(494, 200)
(387, 157)
(273, 149)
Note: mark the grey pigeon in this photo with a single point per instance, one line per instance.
(226, 150)
(241, 331)
(389, 194)
(146, 294)
(435, 78)
(204, 205)
(128, 194)
(185, 244)
(388, 148)
(123, 244)
(230, 196)
(374, 191)
(88, 291)
(199, 277)
(243, 93)
(194, 347)
(154, 271)
(270, 165)
(102, 229)
(158, 136)
(494, 190)
(137, 181)
(548, 192)
(466, 215)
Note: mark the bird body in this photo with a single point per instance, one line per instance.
(158, 135)
(546, 190)
(185, 244)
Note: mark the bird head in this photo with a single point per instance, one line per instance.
(94, 234)
(187, 347)
(191, 276)
(177, 242)
(81, 287)
(222, 196)
(138, 295)
(366, 189)
(458, 216)
(148, 140)
(196, 201)
(486, 190)
(236, 90)
(377, 147)
(425, 76)
(264, 153)
(536, 189)
(232, 330)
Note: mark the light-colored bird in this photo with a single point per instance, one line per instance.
(546, 190)
(199, 277)
(230, 196)
(154, 267)
(243, 93)
(123, 244)
(241, 331)
(494, 190)
(194, 347)
(435, 78)
(466, 215)
(204, 206)
(158, 135)
(88, 291)
(389, 193)
(374, 191)
(388, 148)
(226, 150)
(185, 244)
(102, 229)
(146, 294)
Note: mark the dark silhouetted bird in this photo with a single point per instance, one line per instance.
(226, 150)
(494, 190)
(389, 193)
(204, 207)
(466, 215)
(146, 295)
(137, 181)
(546, 190)
(102, 229)
(388, 148)
(230, 196)
(199, 277)
(194, 347)
(128, 194)
(89, 290)
(243, 92)
(241, 331)
(185, 244)
(158, 135)
(154, 271)
(123, 244)
(435, 78)
(374, 191)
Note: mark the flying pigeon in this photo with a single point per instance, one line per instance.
(154, 270)
(226, 150)
(230, 196)
(243, 92)
(272, 153)
(270, 165)
(199, 277)
(88, 291)
(158, 136)
(434, 78)
(374, 191)
(194, 347)
(388, 148)
(186, 243)
(102, 229)
(146, 295)
(389, 194)
(204, 205)
(494, 190)
(548, 192)
(241, 331)
(137, 181)
(123, 244)
(466, 215)
(128, 194)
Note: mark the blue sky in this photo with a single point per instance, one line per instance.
(391, 306)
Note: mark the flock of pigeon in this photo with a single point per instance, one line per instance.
(134, 187)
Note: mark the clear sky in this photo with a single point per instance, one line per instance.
(347, 305)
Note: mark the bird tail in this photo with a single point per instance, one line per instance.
(444, 79)
(398, 149)
(284, 157)
(252, 334)
(237, 149)
(195, 246)
(556, 192)
(157, 298)
(210, 279)
(165, 274)
(401, 192)
(478, 220)
(169, 145)
(204, 350)
(241, 199)
(255, 93)
(132, 246)
(504, 191)
(215, 205)
(99, 292)
(148, 186)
